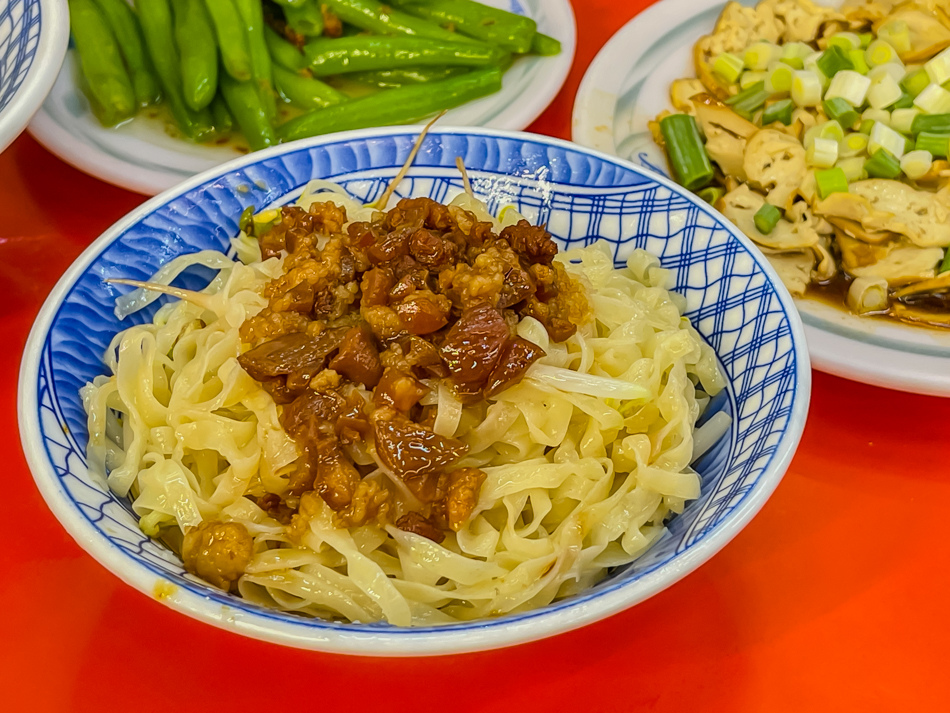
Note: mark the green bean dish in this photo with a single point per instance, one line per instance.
(289, 69)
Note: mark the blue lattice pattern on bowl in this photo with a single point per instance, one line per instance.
(733, 299)
(19, 36)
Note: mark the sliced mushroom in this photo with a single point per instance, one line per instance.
(726, 134)
(775, 162)
(857, 253)
(883, 205)
(682, 92)
(740, 207)
(928, 35)
(856, 230)
(913, 315)
(794, 268)
(941, 283)
(903, 263)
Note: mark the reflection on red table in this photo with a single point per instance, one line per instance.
(835, 598)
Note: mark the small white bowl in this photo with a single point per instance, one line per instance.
(33, 39)
(733, 298)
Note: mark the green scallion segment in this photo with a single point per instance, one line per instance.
(906, 101)
(686, 152)
(778, 111)
(833, 60)
(831, 180)
(767, 217)
(883, 164)
(866, 126)
(936, 144)
(866, 39)
(858, 60)
(840, 110)
(749, 100)
(711, 194)
(945, 265)
(915, 82)
(933, 123)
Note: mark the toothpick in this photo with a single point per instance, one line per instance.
(384, 199)
(466, 184)
(196, 298)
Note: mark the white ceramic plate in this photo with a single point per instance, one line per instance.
(627, 85)
(33, 39)
(142, 157)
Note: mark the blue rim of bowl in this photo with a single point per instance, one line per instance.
(373, 639)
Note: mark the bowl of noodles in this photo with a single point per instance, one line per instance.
(389, 393)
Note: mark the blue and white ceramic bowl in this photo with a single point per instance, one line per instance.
(733, 298)
(33, 39)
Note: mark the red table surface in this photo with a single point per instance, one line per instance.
(834, 598)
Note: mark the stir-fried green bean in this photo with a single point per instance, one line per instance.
(101, 62)
(355, 54)
(306, 18)
(232, 37)
(394, 106)
(246, 108)
(375, 17)
(194, 36)
(156, 19)
(283, 53)
(128, 34)
(394, 78)
(306, 92)
(498, 27)
(261, 72)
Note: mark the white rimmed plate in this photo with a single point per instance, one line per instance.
(627, 85)
(142, 157)
(33, 39)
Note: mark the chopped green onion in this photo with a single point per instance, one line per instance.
(866, 39)
(831, 130)
(884, 137)
(906, 101)
(812, 133)
(760, 54)
(779, 78)
(711, 194)
(884, 93)
(766, 218)
(896, 34)
(793, 62)
(883, 164)
(811, 65)
(841, 111)
(938, 68)
(909, 144)
(778, 111)
(748, 79)
(935, 123)
(749, 100)
(823, 153)
(833, 60)
(806, 88)
(728, 67)
(688, 156)
(936, 144)
(880, 115)
(880, 52)
(915, 164)
(902, 120)
(844, 40)
(933, 100)
(796, 51)
(892, 69)
(852, 145)
(858, 60)
(945, 265)
(850, 86)
(915, 82)
(853, 168)
(866, 126)
(831, 181)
